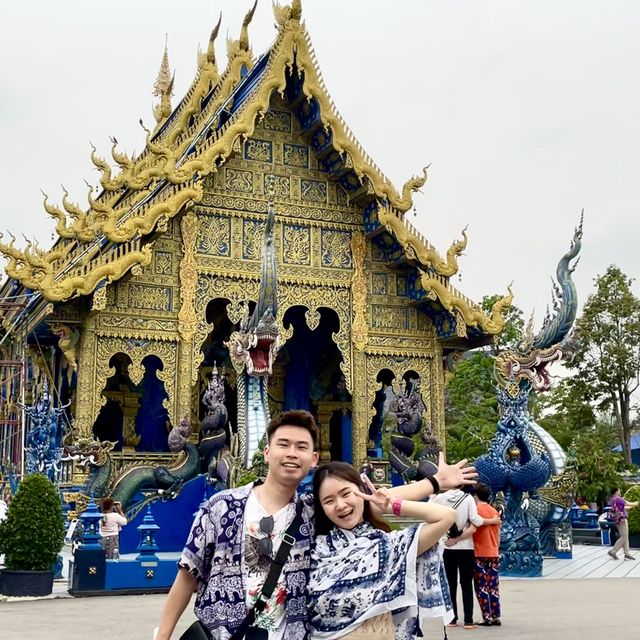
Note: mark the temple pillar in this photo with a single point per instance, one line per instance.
(86, 387)
(437, 396)
(326, 408)
(187, 320)
(359, 338)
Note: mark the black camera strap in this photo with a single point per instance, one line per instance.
(277, 564)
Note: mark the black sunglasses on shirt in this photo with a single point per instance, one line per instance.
(265, 545)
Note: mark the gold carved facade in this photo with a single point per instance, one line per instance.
(212, 250)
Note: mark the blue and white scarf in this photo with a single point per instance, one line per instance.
(363, 573)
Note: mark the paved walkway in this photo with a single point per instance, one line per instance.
(586, 598)
(591, 562)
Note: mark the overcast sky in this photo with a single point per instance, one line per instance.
(527, 110)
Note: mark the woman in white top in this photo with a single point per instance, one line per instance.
(112, 521)
(459, 556)
(367, 581)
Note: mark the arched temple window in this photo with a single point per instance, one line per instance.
(122, 401)
(152, 419)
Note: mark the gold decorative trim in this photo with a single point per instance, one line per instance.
(359, 328)
(187, 319)
(84, 283)
(164, 350)
(455, 303)
(416, 246)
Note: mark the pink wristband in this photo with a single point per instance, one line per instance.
(396, 506)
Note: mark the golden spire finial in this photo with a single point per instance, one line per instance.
(284, 13)
(211, 51)
(244, 32)
(163, 87)
(296, 9)
(164, 75)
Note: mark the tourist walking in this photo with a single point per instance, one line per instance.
(486, 543)
(619, 515)
(110, 525)
(459, 557)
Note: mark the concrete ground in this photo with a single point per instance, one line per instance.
(532, 609)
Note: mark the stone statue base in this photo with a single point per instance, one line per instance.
(521, 564)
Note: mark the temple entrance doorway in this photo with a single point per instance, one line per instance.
(307, 375)
(115, 421)
(152, 424)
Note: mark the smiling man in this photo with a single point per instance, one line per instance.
(238, 532)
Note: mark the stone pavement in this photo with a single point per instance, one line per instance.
(532, 609)
(589, 597)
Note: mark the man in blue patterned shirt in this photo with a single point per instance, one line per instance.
(235, 535)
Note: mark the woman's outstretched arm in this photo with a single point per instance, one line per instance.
(448, 476)
(437, 517)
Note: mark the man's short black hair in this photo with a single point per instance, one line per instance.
(295, 418)
(483, 491)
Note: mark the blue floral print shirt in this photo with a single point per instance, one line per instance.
(215, 555)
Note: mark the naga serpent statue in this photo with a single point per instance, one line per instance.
(253, 349)
(152, 480)
(216, 458)
(44, 439)
(523, 457)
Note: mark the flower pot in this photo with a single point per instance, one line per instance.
(26, 583)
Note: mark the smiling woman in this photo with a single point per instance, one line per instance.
(362, 571)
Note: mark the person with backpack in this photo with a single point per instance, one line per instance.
(619, 516)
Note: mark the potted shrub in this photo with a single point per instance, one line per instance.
(31, 538)
(633, 495)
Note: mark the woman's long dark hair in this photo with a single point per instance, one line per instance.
(346, 472)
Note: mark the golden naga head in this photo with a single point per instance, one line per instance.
(210, 56)
(283, 13)
(415, 183)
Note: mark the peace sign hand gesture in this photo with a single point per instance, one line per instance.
(378, 497)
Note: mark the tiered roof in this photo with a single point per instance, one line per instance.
(115, 234)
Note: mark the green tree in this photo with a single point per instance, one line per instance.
(564, 412)
(471, 409)
(598, 466)
(633, 495)
(608, 352)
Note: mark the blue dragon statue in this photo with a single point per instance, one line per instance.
(152, 481)
(524, 462)
(253, 349)
(44, 439)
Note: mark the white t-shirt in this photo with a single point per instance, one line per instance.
(257, 565)
(3, 510)
(111, 523)
(466, 512)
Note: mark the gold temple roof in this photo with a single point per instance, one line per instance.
(112, 236)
